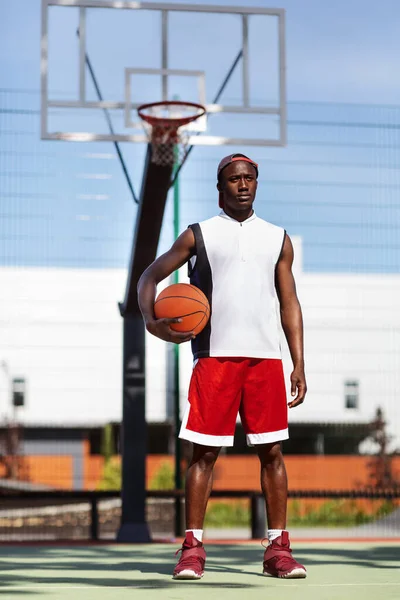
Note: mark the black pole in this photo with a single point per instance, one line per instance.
(217, 97)
(110, 126)
(153, 197)
(228, 76)
(258, 517)
(134, 527)
(94, 519)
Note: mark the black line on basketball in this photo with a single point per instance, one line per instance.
(194, 326)
(186, 297)
(202, 319)
(196, 312)
(196, 289)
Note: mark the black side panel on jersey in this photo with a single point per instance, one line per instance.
(200, 276)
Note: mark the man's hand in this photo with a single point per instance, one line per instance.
(161, 329)
(298, 381)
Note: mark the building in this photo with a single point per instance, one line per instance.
(66, 218)
(61, 333)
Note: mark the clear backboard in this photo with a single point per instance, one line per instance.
(231, 59)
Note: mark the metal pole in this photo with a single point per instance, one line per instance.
(164, 52)
(282, 80)
(82, 54)
(44, 57)
(245, 62)
(94, 519)
(258, 517)
(177, 423)
(110, 125)
(153, 197)
(215, 101)
(134, 527)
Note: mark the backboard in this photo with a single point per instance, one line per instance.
(229, 58)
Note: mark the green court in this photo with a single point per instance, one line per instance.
(336, 570)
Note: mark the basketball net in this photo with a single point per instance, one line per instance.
(165, 126)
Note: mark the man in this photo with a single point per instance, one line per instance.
(243, 264)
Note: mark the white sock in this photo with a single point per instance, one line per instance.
(197, 533)
(273, 534)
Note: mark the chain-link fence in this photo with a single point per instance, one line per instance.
(66, 219)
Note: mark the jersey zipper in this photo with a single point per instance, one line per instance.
(241, 244)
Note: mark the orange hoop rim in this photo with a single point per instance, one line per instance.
(170, 122)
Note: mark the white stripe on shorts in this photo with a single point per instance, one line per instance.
(202, 438)
(267, 438)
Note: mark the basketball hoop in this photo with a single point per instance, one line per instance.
(164, 124)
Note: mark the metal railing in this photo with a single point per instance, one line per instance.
(257, 506)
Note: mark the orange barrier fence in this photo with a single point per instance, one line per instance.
(234, 472)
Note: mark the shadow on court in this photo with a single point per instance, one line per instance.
(11, 593)
(100, 567)
(140, 567)
(377, 557)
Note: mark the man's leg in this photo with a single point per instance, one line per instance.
(210, 417)
(274, 484)
(198, 489)
(278, 559)
(199, 484)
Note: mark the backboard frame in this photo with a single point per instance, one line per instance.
(198, 125)
(81, 103)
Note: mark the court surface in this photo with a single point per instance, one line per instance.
(336, 570)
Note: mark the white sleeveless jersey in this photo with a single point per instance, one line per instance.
(234, 266)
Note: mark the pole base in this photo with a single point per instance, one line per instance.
(137, 533)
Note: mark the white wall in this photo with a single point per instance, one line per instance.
(352, 331)
(61, 329)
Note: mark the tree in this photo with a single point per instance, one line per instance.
(382, 474)
(111, 476)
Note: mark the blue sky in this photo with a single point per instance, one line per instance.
(337, 51)
(336, 186)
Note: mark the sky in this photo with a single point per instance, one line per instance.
(335, 184)
(336, 51)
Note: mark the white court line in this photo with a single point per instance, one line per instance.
(347, 584)
(133, 586)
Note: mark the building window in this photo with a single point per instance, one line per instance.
(351, 393)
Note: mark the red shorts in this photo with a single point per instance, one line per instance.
(220, 388)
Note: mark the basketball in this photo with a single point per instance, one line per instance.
(183, 301)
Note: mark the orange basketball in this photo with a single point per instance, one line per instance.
(186, 302)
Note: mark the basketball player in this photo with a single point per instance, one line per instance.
(243, 264)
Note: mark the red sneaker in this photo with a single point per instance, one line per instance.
(279, 562)
(192, 560)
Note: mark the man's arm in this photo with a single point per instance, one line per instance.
(292, 320)
(167, 263)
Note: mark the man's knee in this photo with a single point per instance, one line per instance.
(204, 456)
(270, 454)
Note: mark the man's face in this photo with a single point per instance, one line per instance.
(238, 186)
